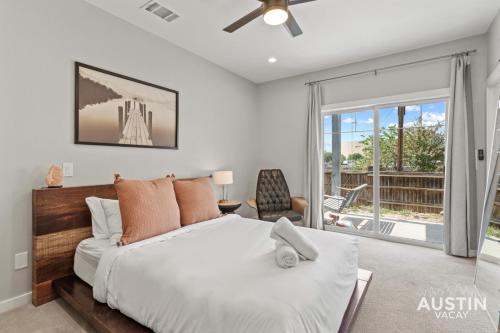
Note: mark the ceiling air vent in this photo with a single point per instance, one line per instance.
(160, 11)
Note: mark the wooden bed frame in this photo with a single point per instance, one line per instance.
(61, 219)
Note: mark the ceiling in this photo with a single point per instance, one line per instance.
(336, 32)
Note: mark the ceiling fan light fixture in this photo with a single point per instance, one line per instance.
(275, 16)
(274, 12)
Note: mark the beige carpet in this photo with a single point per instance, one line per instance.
(55, 316)
(401, 273)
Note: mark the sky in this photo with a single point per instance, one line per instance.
(131, 89)
(357, 125)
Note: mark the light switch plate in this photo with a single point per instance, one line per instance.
(68, 169)
(20, 260)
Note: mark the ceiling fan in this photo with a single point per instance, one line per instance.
(275, 12)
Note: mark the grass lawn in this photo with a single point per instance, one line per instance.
(493, 231)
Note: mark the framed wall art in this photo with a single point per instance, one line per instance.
(116, 110)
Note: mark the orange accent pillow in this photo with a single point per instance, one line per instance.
(196, 200)
(148, 208)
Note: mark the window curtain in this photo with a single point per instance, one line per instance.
(313, 182)
(460, 203)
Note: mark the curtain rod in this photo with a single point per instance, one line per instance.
(375, 71)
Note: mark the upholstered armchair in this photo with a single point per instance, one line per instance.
(273, 198)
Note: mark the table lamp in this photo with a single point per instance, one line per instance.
(223, 178)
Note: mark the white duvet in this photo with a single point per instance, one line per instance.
(220, 276)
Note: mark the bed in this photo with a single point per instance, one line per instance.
(205, 287)
(88, 253)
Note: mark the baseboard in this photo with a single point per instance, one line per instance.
(15, 302)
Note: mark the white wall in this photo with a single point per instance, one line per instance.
(283, 103)
(40, 42)
(494, 43)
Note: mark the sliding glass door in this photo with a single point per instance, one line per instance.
(384, 171)
(348, 170)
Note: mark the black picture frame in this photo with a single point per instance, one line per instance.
(77, 140)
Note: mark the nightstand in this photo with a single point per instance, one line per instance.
(228, 206)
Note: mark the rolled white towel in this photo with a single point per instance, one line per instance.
(284, 231)
(286, 256)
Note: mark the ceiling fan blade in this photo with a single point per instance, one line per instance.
(245, 19)
(298, 2)
(292, 25)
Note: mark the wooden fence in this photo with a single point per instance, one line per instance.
(412, 191)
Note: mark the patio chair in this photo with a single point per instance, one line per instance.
(273, 198)
(336, 204)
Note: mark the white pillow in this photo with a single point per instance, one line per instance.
(113, 219)
(99, 226)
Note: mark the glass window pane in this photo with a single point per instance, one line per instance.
(412, 171)
(347, 120)
(348, 171)
(388, 117)
(433, 114)
(413, 116)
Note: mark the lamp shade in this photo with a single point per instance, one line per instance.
(223, 177)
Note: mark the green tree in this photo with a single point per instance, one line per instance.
(423, 149)
(327, 155)
(388, 154)
(355, 157)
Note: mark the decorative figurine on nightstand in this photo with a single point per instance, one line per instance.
(223, 178)
(55, 177)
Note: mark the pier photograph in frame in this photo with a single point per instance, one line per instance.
(116, 110)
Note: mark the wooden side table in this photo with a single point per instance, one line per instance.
(229, 206)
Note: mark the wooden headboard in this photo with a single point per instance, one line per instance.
(61, 219)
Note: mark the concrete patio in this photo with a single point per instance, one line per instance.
(418, 230)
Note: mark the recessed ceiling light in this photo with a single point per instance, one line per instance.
(272, 60)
